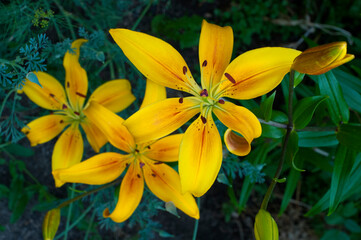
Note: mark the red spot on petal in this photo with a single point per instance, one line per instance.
(138, 175)
(61, 121)
(221, 101)
(80, 94)
(51, 95)
(204, 93)
(153, 175)
(229, 77)
(148, 147)
(204, 63)
(67, 84)
(181, 100)
(204, 120)
(185, 70)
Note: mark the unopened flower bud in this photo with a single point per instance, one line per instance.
(265, 227)
(51, 223)
(320, 59)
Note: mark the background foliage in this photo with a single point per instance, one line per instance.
(34, 37)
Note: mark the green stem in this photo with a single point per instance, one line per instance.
(67, 19)
(69, 215)
(306, 129)
(195, 230)
(284, 146)
(5, 99)
(142, 14)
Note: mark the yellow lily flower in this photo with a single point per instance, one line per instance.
(68, 108)
(250, 75)
(145, 162)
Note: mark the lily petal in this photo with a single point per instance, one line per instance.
(76, 79)
(236, 144)
(156, 59)
(239, 119)
(164, 182)
(161, 118)
(215, 52)
(100, 169)
(200, 156)
(45, 128)
(95, 137)
(130, 194)
(165, 149)
(115, 95)
(50, 96)
(111, 125)
(256, 72)
(68, 150)
(153, 93)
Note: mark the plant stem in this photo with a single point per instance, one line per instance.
(67, 19)
(284, 146)
(196, 223)
(142, 14)
(69, 215)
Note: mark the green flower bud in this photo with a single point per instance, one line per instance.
(265, 227)
(320, 59)
(51, 223)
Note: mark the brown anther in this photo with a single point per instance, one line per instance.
(157, 163)
(67, 84)
(137, 150)
(184, 70)
(204, 63)
(64, 106)
(221, 101)
(141, 164)
(26, 133)
(80, 94)
(204, 93)
(204, 120)
(127, 164)
(138, 175)
(230, 78)
(148, 147)
(76, 113)
(181, 100)
(51, 95)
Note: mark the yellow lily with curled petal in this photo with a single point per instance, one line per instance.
(250, 75)
(68, 107)
(145, 162)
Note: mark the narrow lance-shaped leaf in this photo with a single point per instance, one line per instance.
(336, 103)
(266, 107)
(305, 109)
(317, 139)
(292, 149)
(344, 160)
(350, 136)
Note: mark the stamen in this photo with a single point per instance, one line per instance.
(181, 100)
(157, 163)
(61, 121)
(204, 120)
(204, 63)
(204, 93)
(185, 70)
(221, 101)
(141, 164)
(148, 147)
(80, 94)
(76, 113)
(137, 150)
(230, 78)
(64, 106)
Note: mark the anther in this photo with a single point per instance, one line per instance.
(184, 70)
(64, 106)
(204, 63)
(204, 93)
(204, 120)
(221, 101)
(148, 147)
(181, 100)
(157, 163)
(229, 77)
(141, 164)
(61, 121)
(76, 113)
(137, 150)
(80, 94)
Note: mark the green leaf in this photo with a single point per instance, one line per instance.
(298, 78)
(351, 88)
(4, 191)
(350, 136)
(19, 150)
(33, 78)
(305, 109)
(19, 207)
(16, 190)
(344, 160)
(272, 132)
(317, 139)
(266, 107)
(171, 208)
(334, 234)
(292, 180)
(223, 179)
(352, 226)
(292, 149)
(336, 103)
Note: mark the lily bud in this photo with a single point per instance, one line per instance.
(51, 223)
(265, 227)
(320, 59)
